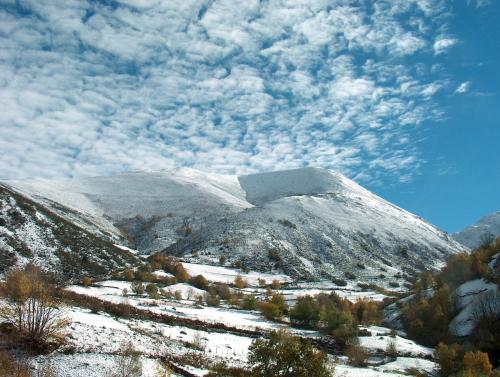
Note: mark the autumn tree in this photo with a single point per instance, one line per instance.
(31, 307)
(285, 355)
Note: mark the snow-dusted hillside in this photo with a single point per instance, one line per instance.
(30, 232)
(152, 209)
(473, 236)
(307, 222)
(312, 222)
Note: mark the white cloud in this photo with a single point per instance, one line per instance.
(441, 45)
(463, 88)
(88, 88)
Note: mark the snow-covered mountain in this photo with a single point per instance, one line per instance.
(486, 228)
(30, 232)
(307, 222)
(148, 210)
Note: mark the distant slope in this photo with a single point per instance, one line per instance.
(312, 222)
(30, 232)
(474, 235)
(149, 210)
(307, 222)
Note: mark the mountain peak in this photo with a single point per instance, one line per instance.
(264, 187)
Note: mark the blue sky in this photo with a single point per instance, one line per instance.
(400, 95)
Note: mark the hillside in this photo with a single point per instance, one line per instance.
(146, 210)
(30, 232)
(311, 223)
(487, 228)
(306, 222)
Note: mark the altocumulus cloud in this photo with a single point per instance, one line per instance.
(98, 87)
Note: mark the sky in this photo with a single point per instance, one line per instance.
(402, 96)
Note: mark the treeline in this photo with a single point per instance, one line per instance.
(428, 314)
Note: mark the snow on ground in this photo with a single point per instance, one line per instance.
(188, 292)
(91, 365)
(405, 363)
(351, 295)
(468, 296)
(162, 274)
(349, 371)
(381, 338)
(227, 275)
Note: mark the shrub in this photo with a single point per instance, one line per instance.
(276, 284)
(178, 295)
(181, 274)
(249, 302)
(287, 223)
(212, 299)
(339, 282)
(477, 364)
(392, 350)
(129, 364)
(349, 275)
(239, 282)
(305, 312)
(222, 260)
(199, 281)
(223, 291)
(32, 308)
(269, 310)
(87, 282)
(285, 355)
(11, 368)
(356, 355)
(152, 291)
(137, 287)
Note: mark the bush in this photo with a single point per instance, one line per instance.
(392, 350)
(11, 368)
(285, 355)
(222, 260)
(269, 310)
(152, 291)
(137, 287)
(87, 282)
(305, 312)
(349, 275)
(356, 355)
(249, 302)
(212, 298)
(477, 364)
(287, 223)
(129, 364)
(199, 281)
(31, 308)
(339, 282)
(223, 291)
(276, 284)
(181, 274)
(239, 282)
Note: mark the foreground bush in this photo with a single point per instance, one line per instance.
(282, 355)
(31, 308)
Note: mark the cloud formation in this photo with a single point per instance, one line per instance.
(91, 87)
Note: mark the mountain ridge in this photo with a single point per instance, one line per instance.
(316, 222)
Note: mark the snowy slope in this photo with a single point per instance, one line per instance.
(316, 222)
(30, 232)
(146, 207)
(473, 235)
(311, 222)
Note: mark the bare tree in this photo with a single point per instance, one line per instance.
(31, 307)
(487, 305)
(129, 364)
(486, 239)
